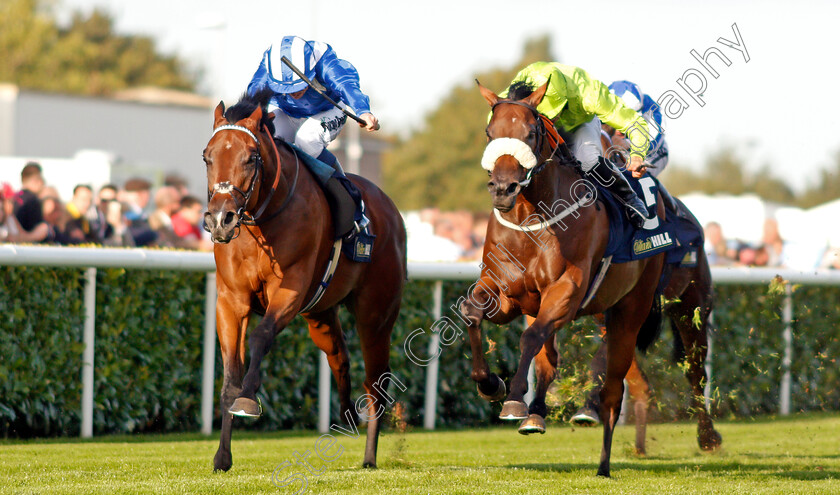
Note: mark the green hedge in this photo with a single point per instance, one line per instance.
(149, 343)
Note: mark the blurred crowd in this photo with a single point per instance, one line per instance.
(435, 235)
(136, 215)
(772, 251)
(132, 215)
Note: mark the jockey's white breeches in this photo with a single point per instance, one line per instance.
(311, 134)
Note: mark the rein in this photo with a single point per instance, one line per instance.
(227, 188)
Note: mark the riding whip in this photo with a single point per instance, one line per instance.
(319, 89)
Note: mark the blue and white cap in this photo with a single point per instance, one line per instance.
(629, 93)
(303, 54)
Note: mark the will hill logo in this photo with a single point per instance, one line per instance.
(658, 241)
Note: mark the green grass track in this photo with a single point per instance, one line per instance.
(800, 454)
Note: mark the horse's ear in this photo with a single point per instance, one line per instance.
(536, 97)
(219, 115)
(253, 120)
(491, 97)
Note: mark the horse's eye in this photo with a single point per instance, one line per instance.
(531, 134)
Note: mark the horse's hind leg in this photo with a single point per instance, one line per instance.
(691, 316)
(375, 323)
(325, 331)
(231, 323)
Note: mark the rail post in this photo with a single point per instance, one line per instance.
(323, 393)
(787, 336)
(433, 370)
(208, 367)
(89, 338)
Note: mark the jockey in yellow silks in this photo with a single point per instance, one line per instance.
(577, 103)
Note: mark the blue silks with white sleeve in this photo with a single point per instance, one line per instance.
(320, 64)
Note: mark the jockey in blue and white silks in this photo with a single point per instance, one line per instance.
(305, 118)
(657, 155)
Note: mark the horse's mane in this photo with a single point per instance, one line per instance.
(520, 90)
(246, 106)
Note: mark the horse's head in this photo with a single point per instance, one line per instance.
(234, 167)
(516, 141)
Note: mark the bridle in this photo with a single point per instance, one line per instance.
(545, 131)
(227, 188)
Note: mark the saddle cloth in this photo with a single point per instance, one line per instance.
(679, 234)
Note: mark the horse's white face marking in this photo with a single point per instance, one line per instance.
(513, 119)
(219, 218)
(228, 146)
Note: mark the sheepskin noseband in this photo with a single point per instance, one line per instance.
(508, 146)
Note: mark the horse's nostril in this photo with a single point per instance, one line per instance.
(512, 188)
(230, 217)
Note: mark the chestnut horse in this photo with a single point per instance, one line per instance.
(545, 273)
(274, 239)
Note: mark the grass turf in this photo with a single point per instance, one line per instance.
(800, 454)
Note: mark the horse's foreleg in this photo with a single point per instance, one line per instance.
(556, 309)
(639, 389)
(545, 365)
(490, 386)
(231, 322)
(621, 343)
(277, 316)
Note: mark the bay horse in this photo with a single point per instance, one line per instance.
(689, 289)
(548, 280)
(274, 238)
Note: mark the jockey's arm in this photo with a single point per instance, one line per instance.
(341, 77)
(612, 111)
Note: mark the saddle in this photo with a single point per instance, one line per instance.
(350, 223)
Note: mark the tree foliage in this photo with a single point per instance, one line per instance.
(438, 165)
(86, 57)
(827, 187)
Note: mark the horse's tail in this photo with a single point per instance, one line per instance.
(652, 326)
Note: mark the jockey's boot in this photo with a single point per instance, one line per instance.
(350, 223)
(608, 175)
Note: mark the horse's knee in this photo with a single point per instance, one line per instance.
(483, 300)
(472, 313)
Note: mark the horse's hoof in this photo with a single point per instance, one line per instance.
(368, 465)
(222, 463)
(534, 424)
(245, 407)
(710, 441)
(499, 394)
(513, 410)
(585, 417)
